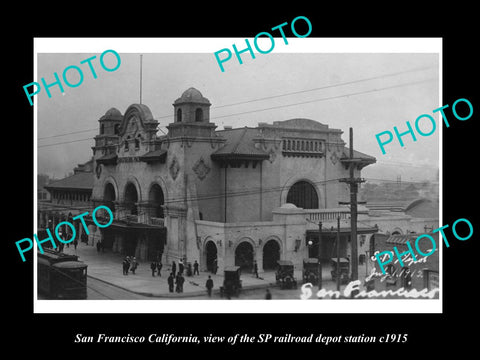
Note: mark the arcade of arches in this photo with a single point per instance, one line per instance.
(245, 254)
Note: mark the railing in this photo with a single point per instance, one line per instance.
(131, 218)
(327, 214)
(123, 212)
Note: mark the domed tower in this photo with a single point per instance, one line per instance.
(110, 122)
(192, 107)
(107, 137)
(191, 177)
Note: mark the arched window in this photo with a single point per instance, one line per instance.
(137, 144)
(156, 201)
(179, 115)
(126, 144)
(117, 127)
(102, 129)
(131, 199)
(303, 195)
(199, 115)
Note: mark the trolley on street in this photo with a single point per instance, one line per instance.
(61, 276)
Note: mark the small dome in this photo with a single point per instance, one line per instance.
(288, 206)
(192, 95)
(112, 114)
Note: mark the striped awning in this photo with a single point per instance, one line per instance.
(401, 239)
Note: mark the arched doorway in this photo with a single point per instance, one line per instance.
(244, 256)
(271, 254)
(210, 255)
(109, 196)
(131, 198)
(156, 200)
(303, 195)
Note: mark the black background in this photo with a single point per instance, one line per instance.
(428, 333)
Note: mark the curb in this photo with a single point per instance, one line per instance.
(181, 295)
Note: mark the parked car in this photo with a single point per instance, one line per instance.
(285, 275)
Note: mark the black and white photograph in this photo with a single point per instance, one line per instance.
(196, 181)
(245, 184)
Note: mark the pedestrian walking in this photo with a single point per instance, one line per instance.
(209, 286)
(170, 281)
(98, 246)
(174, 268)
(180, 266)
(268, 295)
(159, 267)
(75, 243)
(125, 266)
(179, 281)
(215, 266)
(153, 267)
(195, 268)
(255, 268)
(133, 265)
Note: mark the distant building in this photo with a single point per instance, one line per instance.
(69, 197)
(423, 270)
(42, 193)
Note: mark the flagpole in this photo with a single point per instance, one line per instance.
(141, 78)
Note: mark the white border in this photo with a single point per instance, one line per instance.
(210, 45)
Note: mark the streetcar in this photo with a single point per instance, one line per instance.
(61, 276)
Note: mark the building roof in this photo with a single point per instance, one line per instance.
(192, 95)
(239, 145)
(401, 239)
(79, 181)
(155, 155)
(112, 114)
(411, 238)
(356, 155)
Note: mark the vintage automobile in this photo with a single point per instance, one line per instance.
(285, 275)
(231, 282)
(343, 265)
(312, 271)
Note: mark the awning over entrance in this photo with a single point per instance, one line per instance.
(345, 230)
(401, 239)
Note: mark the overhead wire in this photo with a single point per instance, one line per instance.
(281, 95)
(222, 195)
(284, 105)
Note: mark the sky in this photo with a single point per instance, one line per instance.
(369, 91)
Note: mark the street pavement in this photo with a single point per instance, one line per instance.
(107, 267)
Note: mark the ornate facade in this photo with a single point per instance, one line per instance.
(234, 195)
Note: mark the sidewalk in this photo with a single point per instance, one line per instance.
(107, 267)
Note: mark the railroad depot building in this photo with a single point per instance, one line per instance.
(235, 195)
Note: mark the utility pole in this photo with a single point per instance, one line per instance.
(319, 240)
(318, 249)
(141, 56)
(353, 182)
(338, 253)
